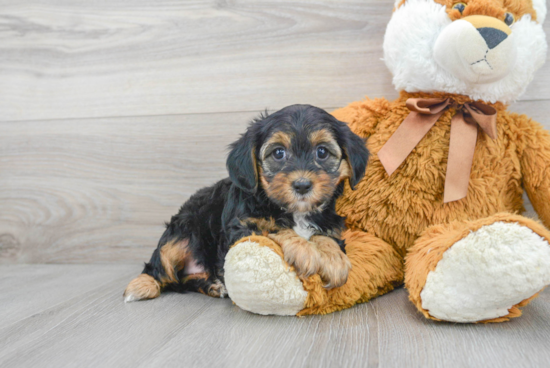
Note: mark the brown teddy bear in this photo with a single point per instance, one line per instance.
(438, 206)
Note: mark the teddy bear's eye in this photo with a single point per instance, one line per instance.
(460, 7)
(509, 19)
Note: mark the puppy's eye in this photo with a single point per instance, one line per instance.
(509, 19)
(322, 153)
(460, 7)
(279, 154)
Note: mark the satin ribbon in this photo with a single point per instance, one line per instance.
(424, 114)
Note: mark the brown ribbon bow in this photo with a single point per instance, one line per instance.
(424, 114)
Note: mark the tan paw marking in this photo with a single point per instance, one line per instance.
(334, 265)
(217, 290)
(298, 252)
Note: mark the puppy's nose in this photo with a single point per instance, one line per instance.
(302, 186)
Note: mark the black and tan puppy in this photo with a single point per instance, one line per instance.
(285, 174)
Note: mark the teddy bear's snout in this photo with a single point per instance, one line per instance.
(492, 30)
(477, 49)
(493, 37)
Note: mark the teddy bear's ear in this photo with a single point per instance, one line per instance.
(399, 3)
(540, 8)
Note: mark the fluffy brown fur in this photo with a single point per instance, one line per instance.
(492, 8)
(403, 216)
(412, 198)
(400, 208)
(399, 217)
(438, 239)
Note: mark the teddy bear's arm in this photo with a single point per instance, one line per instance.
(535, 165)
(363, 116)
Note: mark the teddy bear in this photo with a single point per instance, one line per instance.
(438, 209)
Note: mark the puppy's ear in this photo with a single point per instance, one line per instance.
(356, 152)
(241, 163)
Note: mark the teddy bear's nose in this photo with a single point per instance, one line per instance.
(492, 36)
(493, 30)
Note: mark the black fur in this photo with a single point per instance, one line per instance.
(215, 217)
(356, 152)
(241, 163)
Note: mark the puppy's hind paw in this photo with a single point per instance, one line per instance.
(217, 290)
(142, 287)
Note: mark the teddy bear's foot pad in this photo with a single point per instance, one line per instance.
(486, 273)
(259, 281)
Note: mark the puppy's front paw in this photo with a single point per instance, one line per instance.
(334, 265)
(298, 252)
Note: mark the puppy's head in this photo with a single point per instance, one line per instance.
(298, 156)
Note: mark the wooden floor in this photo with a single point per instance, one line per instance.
(74, 316)
(113, 112)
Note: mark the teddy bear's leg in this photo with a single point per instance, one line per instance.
(376, 268)
(478, 271)
(260, 281)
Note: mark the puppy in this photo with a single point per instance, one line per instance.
(285, 174)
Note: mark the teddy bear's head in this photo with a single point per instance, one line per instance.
(485, 49)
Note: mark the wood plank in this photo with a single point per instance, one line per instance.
(241, 339)
(99, 190)
(536, 110)
(67, 59)
(407, 339)
(26, 290)
(99, 329)
(96, 328)
(153, 333)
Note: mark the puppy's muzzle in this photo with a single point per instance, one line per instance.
(302, 185)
